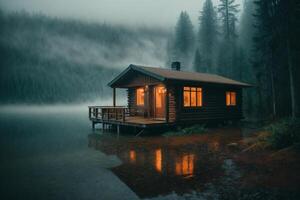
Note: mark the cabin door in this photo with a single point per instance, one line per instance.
(159, 102)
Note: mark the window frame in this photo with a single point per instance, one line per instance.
(197, 90)
(136, 96)
(231, 103)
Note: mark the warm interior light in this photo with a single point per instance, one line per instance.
(192, 97)
(140, 96)
(187, 100)
(233, 98)
(159, 96)
(199, 96)
(230, 98)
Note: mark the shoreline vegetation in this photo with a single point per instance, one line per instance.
(267, 158)
(276, 135)
(276, 142)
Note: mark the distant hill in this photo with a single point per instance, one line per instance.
(50, 60)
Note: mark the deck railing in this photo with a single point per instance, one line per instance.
(108, 113)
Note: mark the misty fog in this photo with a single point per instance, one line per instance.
(50, 59)
(68, 51)
(162, 13)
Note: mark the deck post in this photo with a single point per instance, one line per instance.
(123, 114)
(167, 105)
(93, 125)
(114, 97)
(108, 114)
(118, 129)
(96, 113)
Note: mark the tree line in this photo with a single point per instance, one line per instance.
(257, 43)
(51, 60)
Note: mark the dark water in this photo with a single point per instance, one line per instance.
(52, 153)
(153, 166)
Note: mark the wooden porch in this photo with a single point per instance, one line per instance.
(122, 116)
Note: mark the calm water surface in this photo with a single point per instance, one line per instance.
(153, 166)
(52, 153)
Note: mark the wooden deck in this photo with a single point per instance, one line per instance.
(134, 121)
(122, 116)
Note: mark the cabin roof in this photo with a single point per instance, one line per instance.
(164, 74)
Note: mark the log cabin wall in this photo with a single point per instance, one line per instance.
(213, 107)
(172, 104)
(214, 104)
(147, 109)
(151, 101)
(131, 100)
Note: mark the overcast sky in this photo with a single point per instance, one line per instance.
(132, 12)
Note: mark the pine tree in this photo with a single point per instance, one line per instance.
(207, 35)
(262, 59)
(198, 67)
(184, 41)
(247, 26)
(276, 44)
(245, 41)
(228, 10)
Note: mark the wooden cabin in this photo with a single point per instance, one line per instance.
(165, 97)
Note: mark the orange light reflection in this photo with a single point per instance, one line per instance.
(185, 165)
(158, 160)
(132, 156)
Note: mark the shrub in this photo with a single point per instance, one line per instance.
(196, 129)
(284, 133)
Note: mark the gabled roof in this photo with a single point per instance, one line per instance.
(164, 74)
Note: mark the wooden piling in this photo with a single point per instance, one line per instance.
(118, 129)
(93, 125)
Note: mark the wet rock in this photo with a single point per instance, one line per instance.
(233, 146)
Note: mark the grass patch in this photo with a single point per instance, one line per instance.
(284, 133)
(259, 142)
(278, 135)
(195, 129)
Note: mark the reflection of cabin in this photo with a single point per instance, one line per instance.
(162, 165)
(163, 97)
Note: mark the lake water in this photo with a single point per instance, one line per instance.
(51, 152)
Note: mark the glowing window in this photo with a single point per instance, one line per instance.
(192, 97)
(230, 98)
(159, 95)
(140, 96)
(187, 97)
